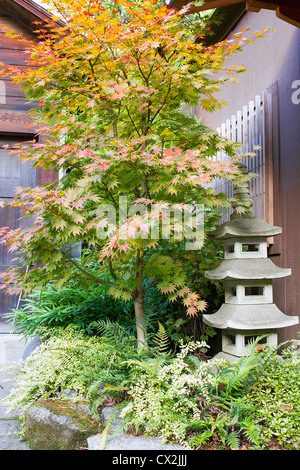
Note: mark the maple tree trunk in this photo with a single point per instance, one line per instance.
(140, 322)
(138, 302)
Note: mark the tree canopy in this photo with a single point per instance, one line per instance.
(116, 82)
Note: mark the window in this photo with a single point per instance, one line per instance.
(246, 248)
(254, 290)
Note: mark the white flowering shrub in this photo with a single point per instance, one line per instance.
(166, 399)
(66, 361)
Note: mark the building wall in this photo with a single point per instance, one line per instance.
(267, 60)
(14, 128)
(273, 63)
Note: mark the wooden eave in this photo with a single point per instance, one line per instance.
(15, 122)
(287, 10)
(27, 12)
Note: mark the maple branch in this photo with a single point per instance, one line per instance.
(88, 274)
(171, 55)
(139, 67)
(151, 283)
(111, 196)
(164, 103)
(139, 272)
(145, 189)
(112, 273)
(91, 66)
(151, 70)
(115, 124)
(115, 130)
(132, 121)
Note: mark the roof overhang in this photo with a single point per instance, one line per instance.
(27, 12)
(287, 10)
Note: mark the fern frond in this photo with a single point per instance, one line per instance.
(251, 430)
(104, 436)
(161, 339)
(150, 366)
(200, 439)
(115, 332)
(232, 440)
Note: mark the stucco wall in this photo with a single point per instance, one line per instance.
(267, 60)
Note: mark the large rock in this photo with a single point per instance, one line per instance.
(59, 424)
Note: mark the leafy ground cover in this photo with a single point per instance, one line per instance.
(180, 395)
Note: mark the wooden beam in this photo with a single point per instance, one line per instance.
(274, 4)
(287, 10)
(14, 121)
(291, 15)
(207, 5)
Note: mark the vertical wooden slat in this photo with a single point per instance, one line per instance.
(257, 164)
(233, 128)
(251, 161)
(269, 161)
(239, 135)
(245, 135)
(260, 167)
(272, 159)
(251, 126)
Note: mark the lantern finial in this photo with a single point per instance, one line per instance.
(241, 194)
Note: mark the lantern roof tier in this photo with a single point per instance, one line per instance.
(249, 317)
(256, 268)
(244, 228)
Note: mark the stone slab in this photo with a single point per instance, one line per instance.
(59, 424)
(12, 348)
(120, 441)
(128, 442)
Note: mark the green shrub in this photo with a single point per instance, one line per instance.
(165, 398)
(185, 401)
(82, 306)
(74, 305)
(276, 397)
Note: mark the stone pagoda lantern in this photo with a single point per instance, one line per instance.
(248, 311)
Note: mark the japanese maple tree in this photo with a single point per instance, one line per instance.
(115, 81)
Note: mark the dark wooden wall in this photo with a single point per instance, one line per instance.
(12, 52)
(14, 128)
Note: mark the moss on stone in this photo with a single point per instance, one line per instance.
(59, 424)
